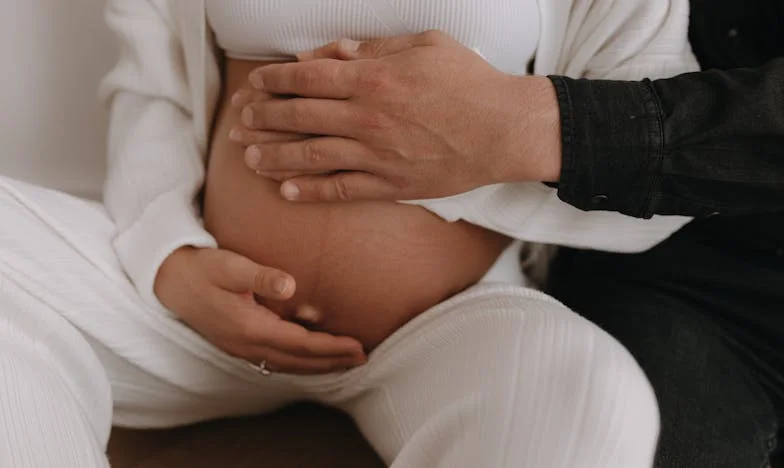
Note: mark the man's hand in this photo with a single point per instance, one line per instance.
(409, 117)
(213, 290)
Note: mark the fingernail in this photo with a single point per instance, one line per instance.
(247, 116)
(252, 156)
(256, 80)
(239, 98)
(309, 314)
(281, 284)
(235, 135)
(289, 191)
(349, 45)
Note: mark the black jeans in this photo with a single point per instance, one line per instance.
(705, 320)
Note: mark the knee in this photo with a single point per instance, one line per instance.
(524, 377)
(580, 382)
(620, 398)
(607, 391)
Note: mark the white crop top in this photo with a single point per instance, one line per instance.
(504, 32)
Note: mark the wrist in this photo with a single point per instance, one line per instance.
(535, 131)
(170, 268)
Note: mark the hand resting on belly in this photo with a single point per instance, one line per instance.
(362, 269)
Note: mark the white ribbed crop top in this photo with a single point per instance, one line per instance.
(505, 32)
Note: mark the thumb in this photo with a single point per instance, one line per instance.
(239, 274)
(349, 49)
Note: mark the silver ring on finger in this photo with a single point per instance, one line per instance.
(260, 368)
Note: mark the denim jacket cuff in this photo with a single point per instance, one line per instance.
(612, 142)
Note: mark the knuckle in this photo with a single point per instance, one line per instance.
(313, 153)
(261, 280)
(374, 120)
(341, 189)
(306, 77)
(432, 36)
(387, 156)
(403, 184)
(373, 48)
(376, 78)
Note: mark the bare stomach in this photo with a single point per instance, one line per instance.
(366, 267)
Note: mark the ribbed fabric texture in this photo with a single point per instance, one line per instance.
(498, 376)
(55, 400)
(40, 423)
(505, 32)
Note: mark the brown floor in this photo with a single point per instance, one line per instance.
(303, 436)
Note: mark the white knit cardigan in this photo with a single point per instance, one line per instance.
(164, 89)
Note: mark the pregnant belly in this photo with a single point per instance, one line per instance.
(366, 267)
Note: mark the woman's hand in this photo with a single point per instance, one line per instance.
(409, 117)
(213, 290)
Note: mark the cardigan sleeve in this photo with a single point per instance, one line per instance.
(603, 39)
(155, 166)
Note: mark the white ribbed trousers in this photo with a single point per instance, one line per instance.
(498, 376)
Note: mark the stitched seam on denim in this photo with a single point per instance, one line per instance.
(567, 136)
(654, 189)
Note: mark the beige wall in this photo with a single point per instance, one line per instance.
(53, 54)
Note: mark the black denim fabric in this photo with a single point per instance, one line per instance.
(705, 324)
(697, 144)
(703, 312)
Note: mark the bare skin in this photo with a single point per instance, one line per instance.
(362, 269)
(397, 129)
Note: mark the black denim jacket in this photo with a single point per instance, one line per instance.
(699, 144)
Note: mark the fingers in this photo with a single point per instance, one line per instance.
(287, 364)
(338, 50)
(348, 49)
(327, 79)
(380, 47)
(344, 186)
(215, 297)
(304, 116)
(245, 96)
(282, 176)
(241, 275)
(250, 327)
(267, 329)
(247, 137)
(315, 155)
(261, 326)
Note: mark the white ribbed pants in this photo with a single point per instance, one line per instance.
(498, 376)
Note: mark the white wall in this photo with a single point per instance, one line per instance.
(52, 127)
